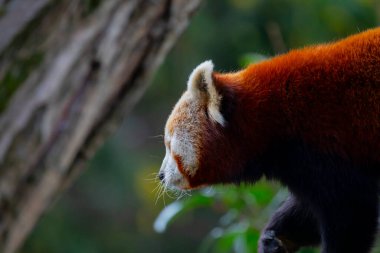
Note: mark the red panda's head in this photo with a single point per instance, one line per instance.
(199, 147)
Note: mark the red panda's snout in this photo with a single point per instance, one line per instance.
(172, 174)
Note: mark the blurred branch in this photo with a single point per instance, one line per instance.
(377, 10)
(69, 72)
(275, 37)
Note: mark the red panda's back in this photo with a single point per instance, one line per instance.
(331, 94)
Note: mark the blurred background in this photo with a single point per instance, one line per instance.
(115, 207)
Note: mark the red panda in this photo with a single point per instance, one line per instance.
(309, 119)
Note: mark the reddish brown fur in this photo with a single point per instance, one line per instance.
(327, 95)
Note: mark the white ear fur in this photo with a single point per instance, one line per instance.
(200, 81)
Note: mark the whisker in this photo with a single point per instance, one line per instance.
(163, 194)
(156, 188)
(169, 194)
(160, 188)
(161, 136)
(180, 195)
(151, 179)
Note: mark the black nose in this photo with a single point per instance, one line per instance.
(161, 176)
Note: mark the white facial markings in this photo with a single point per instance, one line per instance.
(172, 175)
(182, 146)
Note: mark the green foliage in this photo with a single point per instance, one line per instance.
(247, 59)
(244, 209)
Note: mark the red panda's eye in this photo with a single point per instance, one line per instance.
(206, 113)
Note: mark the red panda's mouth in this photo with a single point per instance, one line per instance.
(178, 184)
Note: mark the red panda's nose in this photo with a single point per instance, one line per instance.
(161, 176)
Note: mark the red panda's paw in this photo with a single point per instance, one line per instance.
(269, 243)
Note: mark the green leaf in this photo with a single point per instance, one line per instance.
(166, 215)
(263, 193)
(252, 237)
(173, 210)
(250, 58)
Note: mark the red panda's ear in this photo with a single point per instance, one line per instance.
(202, 86)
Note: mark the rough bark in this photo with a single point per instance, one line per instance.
(69, 72)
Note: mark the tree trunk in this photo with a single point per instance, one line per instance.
(69, 72)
